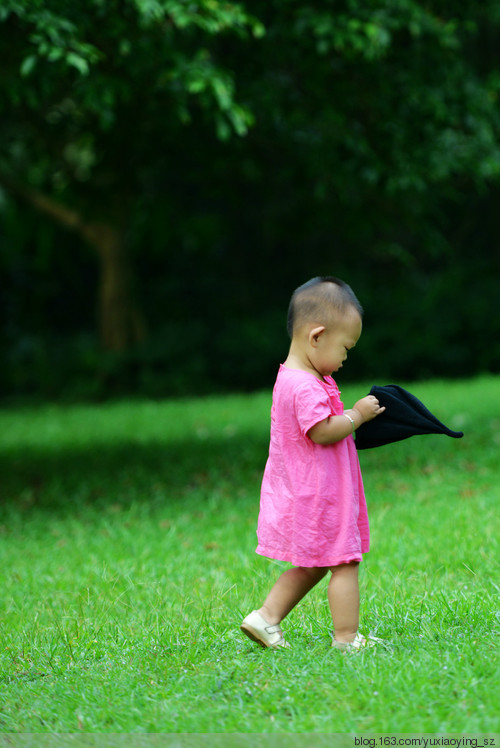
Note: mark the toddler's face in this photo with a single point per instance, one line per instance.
(334, 344)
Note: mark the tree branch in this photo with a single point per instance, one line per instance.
(59, 212)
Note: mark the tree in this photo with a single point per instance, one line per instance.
(90, 91)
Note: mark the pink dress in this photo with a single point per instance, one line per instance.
(312, 507)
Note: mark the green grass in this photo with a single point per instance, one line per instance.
(127, 537)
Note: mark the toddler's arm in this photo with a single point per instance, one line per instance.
(335, 428)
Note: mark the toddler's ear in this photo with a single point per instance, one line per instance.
(315, 334)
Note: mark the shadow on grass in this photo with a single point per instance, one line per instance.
(125, 473)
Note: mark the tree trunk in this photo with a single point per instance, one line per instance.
(121, 324)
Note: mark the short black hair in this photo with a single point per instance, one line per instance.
(318, 298)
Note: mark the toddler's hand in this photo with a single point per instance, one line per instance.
(368, 407)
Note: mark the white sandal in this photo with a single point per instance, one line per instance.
(360, 642)
(265, 634)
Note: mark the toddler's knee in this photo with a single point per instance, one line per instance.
(314, 573)
(350, 567)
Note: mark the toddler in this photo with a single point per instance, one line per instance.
(312, 509)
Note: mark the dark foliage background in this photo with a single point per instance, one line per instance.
(358, 139)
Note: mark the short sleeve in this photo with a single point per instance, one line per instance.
(312, 404)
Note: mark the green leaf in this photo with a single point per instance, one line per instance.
(196, 86)
(28, 65)
(223, 93)
(222, 128)
(258, 30)
(78, 62)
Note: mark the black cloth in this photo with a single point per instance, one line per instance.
(403, 417)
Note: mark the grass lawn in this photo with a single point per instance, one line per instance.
(127, 537)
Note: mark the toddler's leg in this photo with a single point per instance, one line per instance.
(343, 597)
(288, 590)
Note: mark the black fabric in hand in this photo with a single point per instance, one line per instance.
(404, 416)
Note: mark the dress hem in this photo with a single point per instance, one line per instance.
(310, 563)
